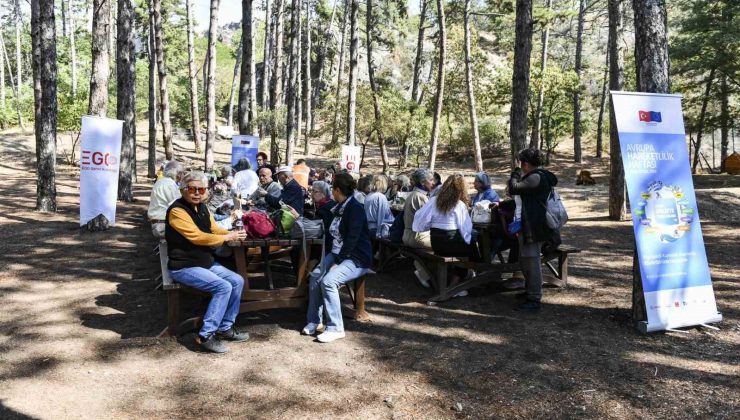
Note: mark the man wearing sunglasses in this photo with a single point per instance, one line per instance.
(191, 234)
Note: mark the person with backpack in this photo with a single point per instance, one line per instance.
(350, 258)
(534, 185)
(191, 234)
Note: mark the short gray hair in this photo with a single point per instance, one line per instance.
(194, 176)
(172, 169)
(322, 186)
(421, 175)
(227, 168)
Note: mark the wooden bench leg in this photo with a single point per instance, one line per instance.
(440, 277)
(563, 268)
(173, 314)
(359, 301)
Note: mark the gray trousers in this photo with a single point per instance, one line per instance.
(529, 260)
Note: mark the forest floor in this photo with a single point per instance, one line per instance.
(80, 315)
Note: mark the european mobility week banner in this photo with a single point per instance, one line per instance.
(243, 146)
(100, 152)
(670, 247)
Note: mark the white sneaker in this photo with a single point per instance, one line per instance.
(311, 328)
(471, 274)
(424, 282)
(462, 294)
(329, 336)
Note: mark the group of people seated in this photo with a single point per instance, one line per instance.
(187, 209)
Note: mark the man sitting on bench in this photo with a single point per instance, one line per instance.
(191, 234)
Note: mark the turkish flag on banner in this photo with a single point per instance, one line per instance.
(644, 116)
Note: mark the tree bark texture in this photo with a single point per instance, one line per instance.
(318, 87)
(724, 121)
(152, 103)
(299, 79)
(602, 108)
(651, 46)
(126, 102)
(352, 87)
(471, 93)
(211, 86)
(164, 97)
(276, 82)
(307, 76)
(269, 26)
(232, 91)
(18, 60)
(702, 119)
(291, 90)
(13, 86)
(100, 71)
(36, 68)
(438, 98)
(537, 123)
(577, 157)
(520, 78)
(370, 24)
(617, 189)
(193, 75)
(247, 82)
(2, 72)
(340, 73)
(418, 59)
(46, 136)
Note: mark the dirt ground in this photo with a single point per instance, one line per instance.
(80, 315)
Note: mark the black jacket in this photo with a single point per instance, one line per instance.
(183, 253)
(292, 196)
(356, 243)
(534, 188)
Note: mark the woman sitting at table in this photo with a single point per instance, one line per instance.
(377, 209)
(191, 235)
(424, 182)
(350, 258)
(482, 185)
(450, 228)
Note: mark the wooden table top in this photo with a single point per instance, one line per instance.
(254, 242)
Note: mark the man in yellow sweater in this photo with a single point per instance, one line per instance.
(191, 234)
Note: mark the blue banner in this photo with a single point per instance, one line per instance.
(670, 247)
(243, 146)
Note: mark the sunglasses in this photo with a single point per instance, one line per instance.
(200, 190)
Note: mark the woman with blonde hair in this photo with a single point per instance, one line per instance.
(377, 209)
(450, 227)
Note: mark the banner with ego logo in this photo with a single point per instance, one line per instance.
(100, 151)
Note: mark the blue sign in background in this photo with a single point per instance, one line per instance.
(245, 147)
(664, 211)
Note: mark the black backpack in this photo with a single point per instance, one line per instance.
(395, 233)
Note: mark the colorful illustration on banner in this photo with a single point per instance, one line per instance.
(664, 211)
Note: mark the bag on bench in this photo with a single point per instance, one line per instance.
(555, 213)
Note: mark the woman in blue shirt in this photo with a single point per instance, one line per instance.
(482, 184)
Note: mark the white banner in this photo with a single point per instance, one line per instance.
(673, 262)
(351, 158)
(100, 152)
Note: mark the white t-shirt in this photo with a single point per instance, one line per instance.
(458, 218)
(245, 183)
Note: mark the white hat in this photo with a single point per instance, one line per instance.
(284, 169)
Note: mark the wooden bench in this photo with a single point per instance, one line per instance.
(356, 291)
(387, 251)
(485, 272)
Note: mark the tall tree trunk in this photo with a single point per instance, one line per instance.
(64, 18)
(702, 119)
(2, 71)
(724, 121)
(602, 107)
(152, 102)
(537, 123)
(164, 97)
(520, 78)
(232, 91)
(299, 79)
(211, 86)
(653, 69)
(126, 97)
(277, 73)
(98, 104)
(651, 46)
(193, 75)
(369, 25)
(416, 97)
(290, 97)
(18, 61)
(577, 95)
(340, 72)
(269, 26)
(36, 68)
(617, 189)
(73, 48)
(13, 86)
(46, 136)
(321, 62)
(352, 88)
(309, 90)
(438, 99)
(247, 82)
(471, 93)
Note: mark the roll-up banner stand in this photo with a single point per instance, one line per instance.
(243, 146)
(100, 153)
(351, 158)
(670, 247)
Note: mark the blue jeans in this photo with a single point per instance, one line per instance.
(224, 285)
(323, 292)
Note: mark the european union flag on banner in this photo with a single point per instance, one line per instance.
(655, 117)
